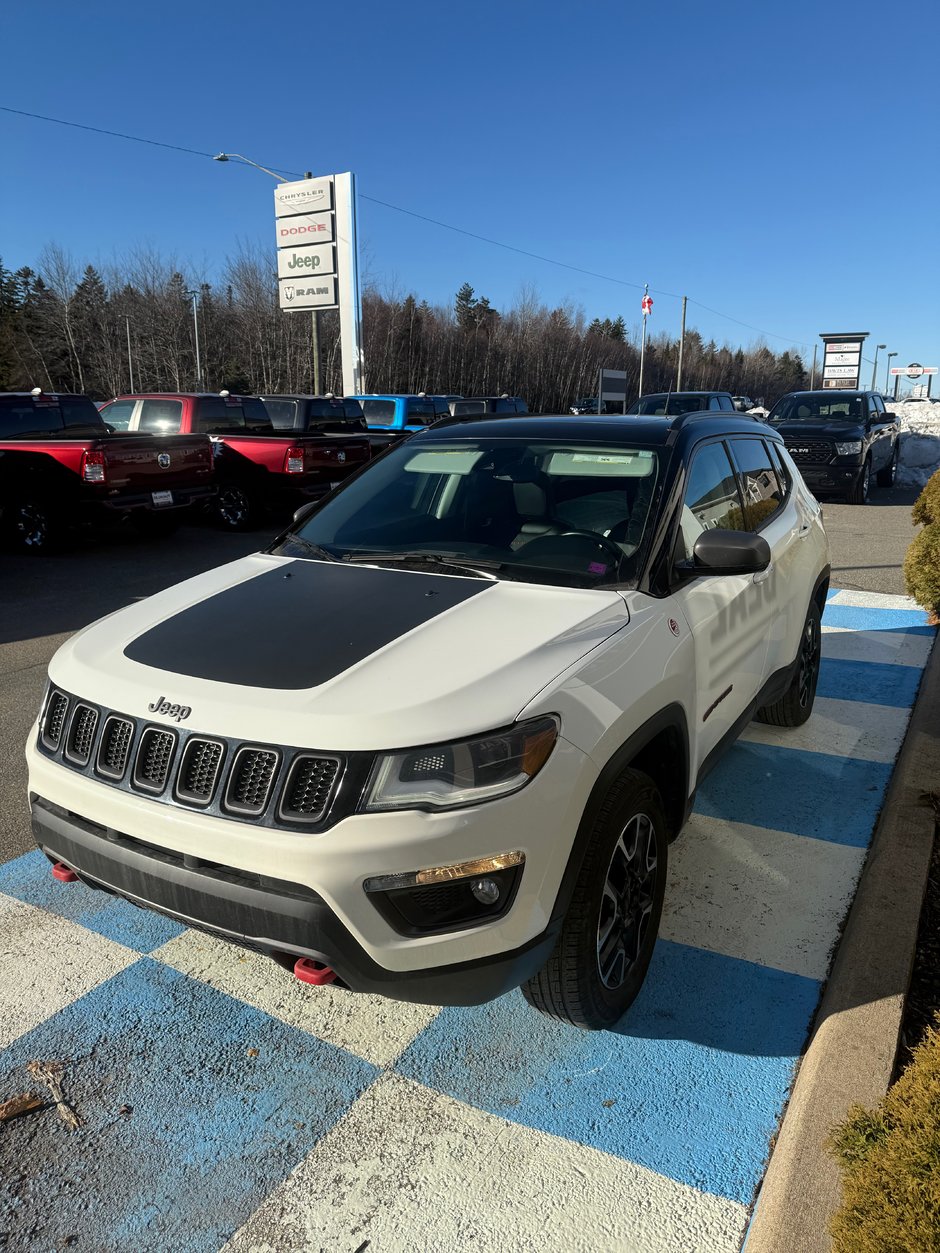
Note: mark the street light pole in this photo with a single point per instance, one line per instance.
(314, 313)
(874, 368)
(888, 369)
(194, 295)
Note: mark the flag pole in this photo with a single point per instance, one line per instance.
(645, 303)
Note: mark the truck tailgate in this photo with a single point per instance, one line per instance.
(148, 463)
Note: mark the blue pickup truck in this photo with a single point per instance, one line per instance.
(391, 418)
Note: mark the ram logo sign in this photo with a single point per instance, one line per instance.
(313, 293)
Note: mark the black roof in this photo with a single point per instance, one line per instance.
(837, 391)
(613, 428)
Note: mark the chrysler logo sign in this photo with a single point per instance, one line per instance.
(163, 461)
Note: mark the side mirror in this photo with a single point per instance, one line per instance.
(727, 552)
(891, 417)
(303, 513)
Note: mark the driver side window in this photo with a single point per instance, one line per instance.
(711, 501)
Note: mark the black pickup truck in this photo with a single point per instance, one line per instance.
(839, 439)
(672, 404)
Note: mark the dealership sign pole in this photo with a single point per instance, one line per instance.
(842, 360)
(318, 259)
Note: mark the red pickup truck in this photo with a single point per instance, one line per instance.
(60, 465)
(256, 466)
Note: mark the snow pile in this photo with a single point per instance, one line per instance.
(919, 439)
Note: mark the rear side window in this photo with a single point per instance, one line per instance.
(118, 414)
(521, 406)
(215, 417)
(161, 417)
(726, 404)
(783, 473)
(282, 413)
(762, 494)
(21, 418)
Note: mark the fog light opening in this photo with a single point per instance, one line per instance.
(486, 891)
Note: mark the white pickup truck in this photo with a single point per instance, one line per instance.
(435, 741)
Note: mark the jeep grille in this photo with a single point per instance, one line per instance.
(309, 788)
(81, 734)
(249, 784)
(153, 759)
(55, 720)
(114, 747)
(199, 770)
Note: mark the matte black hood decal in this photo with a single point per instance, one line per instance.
(299, 625)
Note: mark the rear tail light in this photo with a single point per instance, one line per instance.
(93, 467)
(294, 460)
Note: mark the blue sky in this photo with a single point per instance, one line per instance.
(775, 163)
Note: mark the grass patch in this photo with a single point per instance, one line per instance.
(890, 1159)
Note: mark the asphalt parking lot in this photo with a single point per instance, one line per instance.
(225, 1105)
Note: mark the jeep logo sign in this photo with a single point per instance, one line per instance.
(306, 261)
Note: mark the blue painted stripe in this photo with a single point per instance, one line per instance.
(690, 1084)
(29, 878)
(874, 682)
(789, 789)
(833, 591)
(856, 618)
(210, 1130)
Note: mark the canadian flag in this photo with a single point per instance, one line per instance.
(646, 304)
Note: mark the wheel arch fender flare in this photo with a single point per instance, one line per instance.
(666, 732)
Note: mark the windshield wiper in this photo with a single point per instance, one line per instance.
(313, 549)
(455, 561)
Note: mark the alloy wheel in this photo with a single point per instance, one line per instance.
(627, 901)
(809, 661)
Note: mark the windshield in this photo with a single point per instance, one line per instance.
(665, 405)
(838, 407)
(564, 512)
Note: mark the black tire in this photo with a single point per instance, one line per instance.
(235, 509)
(862, 485)
(589, 981)
(32, 527)
(886, 477)
(796, 704)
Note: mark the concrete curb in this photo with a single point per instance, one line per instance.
(853, 1045)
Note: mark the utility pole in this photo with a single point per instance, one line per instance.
(812, 377)
(315, 349)
(646, 302)
(681, 346)
(195, 296)
(874, 368)
(130, 359)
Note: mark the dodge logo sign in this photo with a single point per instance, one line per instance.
(163, 461)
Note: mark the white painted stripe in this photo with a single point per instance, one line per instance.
(409, 1170)
(901, 648)
(47, 963)
(372, 1027)
(873, 600)
(759, 895)
(841, 728)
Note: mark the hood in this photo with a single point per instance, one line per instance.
(334, 656)
(793, 432)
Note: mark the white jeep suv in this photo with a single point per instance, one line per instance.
(435, 741)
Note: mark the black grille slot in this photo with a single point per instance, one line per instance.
(154, 756)
(309, 789)
(811, 452)
(81, 734)
(55, 720)
(249, 784)
(114, 747)
(199, 771)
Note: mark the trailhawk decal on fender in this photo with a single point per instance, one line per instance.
(298, 626)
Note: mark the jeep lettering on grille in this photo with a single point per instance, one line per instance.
(176, 712)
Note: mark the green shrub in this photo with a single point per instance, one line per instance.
(927, 505)
(890, 1160)
(922, 568)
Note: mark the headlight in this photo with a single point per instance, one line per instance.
(850, 449)
(467, 772)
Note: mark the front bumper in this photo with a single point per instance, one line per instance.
(302, 894)
(832, 478)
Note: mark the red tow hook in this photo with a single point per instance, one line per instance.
(309, 971)
(62, 872)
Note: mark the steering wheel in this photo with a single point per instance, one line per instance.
(605, 542)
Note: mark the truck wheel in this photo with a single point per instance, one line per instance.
(33, 527)
(886, 477)
(859, 493)
(607, 937)
(796, 704)
(235, 509)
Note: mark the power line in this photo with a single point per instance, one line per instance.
(447, 226)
